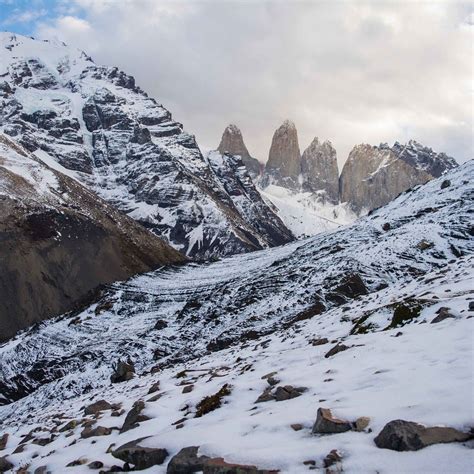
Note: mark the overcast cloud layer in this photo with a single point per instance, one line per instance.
(350, 72)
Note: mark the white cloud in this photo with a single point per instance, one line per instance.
(351, 72)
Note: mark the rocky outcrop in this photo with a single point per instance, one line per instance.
(284, 159)
(122, 144)
(60, 242)
(237, 182)
(424, 158)
(140, 456)
(373, 176)
(232, 143)
(320, 172)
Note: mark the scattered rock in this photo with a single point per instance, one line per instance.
(154, 388)
(443, 313)
(123, 371)
(3, 441)
(186, 461)
(70, 425)
(309, 462)
(400, 435)
(212, 402)
(471, 306)
(445, 184)
(98, 431)
(326, 424)
(297, 426)
(386, 227)
(97, 407)
(160, 324)
(77, 462)
(332, 462)
(339, 347)
(95, 465)
(5, 465)
(141, 457)
(266, 396)
(424, 245)
(188, 388)
(134, 416)
(272, 381)
(361, 423)
(287, 392)
(320, 341)
(42, 470)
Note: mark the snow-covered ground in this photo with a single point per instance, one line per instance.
(263, 311)
(304, 214)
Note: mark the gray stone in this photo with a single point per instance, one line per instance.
(141, 457)
(339, 347)
(134, 416)
(97, 407)
(98, 431)
(401, 435)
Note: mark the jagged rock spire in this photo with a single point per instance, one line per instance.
(284, 159)
(232, 142)
(319, 170)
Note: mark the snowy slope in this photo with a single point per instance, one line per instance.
(304, 213)
(95, 122)
(238, 319)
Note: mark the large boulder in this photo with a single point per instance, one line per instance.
(401, 435)
(134, 416)
(141, 457)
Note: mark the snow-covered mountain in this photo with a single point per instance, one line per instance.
(122, 144)
(60, 241)
(372, 321)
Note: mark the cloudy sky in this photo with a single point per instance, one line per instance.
(348, 71)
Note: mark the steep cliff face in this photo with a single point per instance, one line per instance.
(237, 182)
(320, 171)
(373, 176)
(283, 167)
(232, 143)
(120, 143)
(60, 241)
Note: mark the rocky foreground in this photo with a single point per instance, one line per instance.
(347, 351)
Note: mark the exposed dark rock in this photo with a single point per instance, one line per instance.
(5, 464)
(400, 435)
(332, 462)
(141, 457)
(445, 184)
(160, 324)
(386, 227)
(57, 251)
(320, 341)
(3, 441)
(186, 461)
(296, 426)
(188, 388)
(287, 392)
(326, 424)
(404, 312)
(471, 306)
(134, 416)
(95, 465)
(154, 388)
(123, 371)
(339, 347)
(97, 407)
(97, 431)
(442, 314)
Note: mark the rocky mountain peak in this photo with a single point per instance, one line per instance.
(284, 159)
(97, 123)
(320, 171)
(232, 142)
